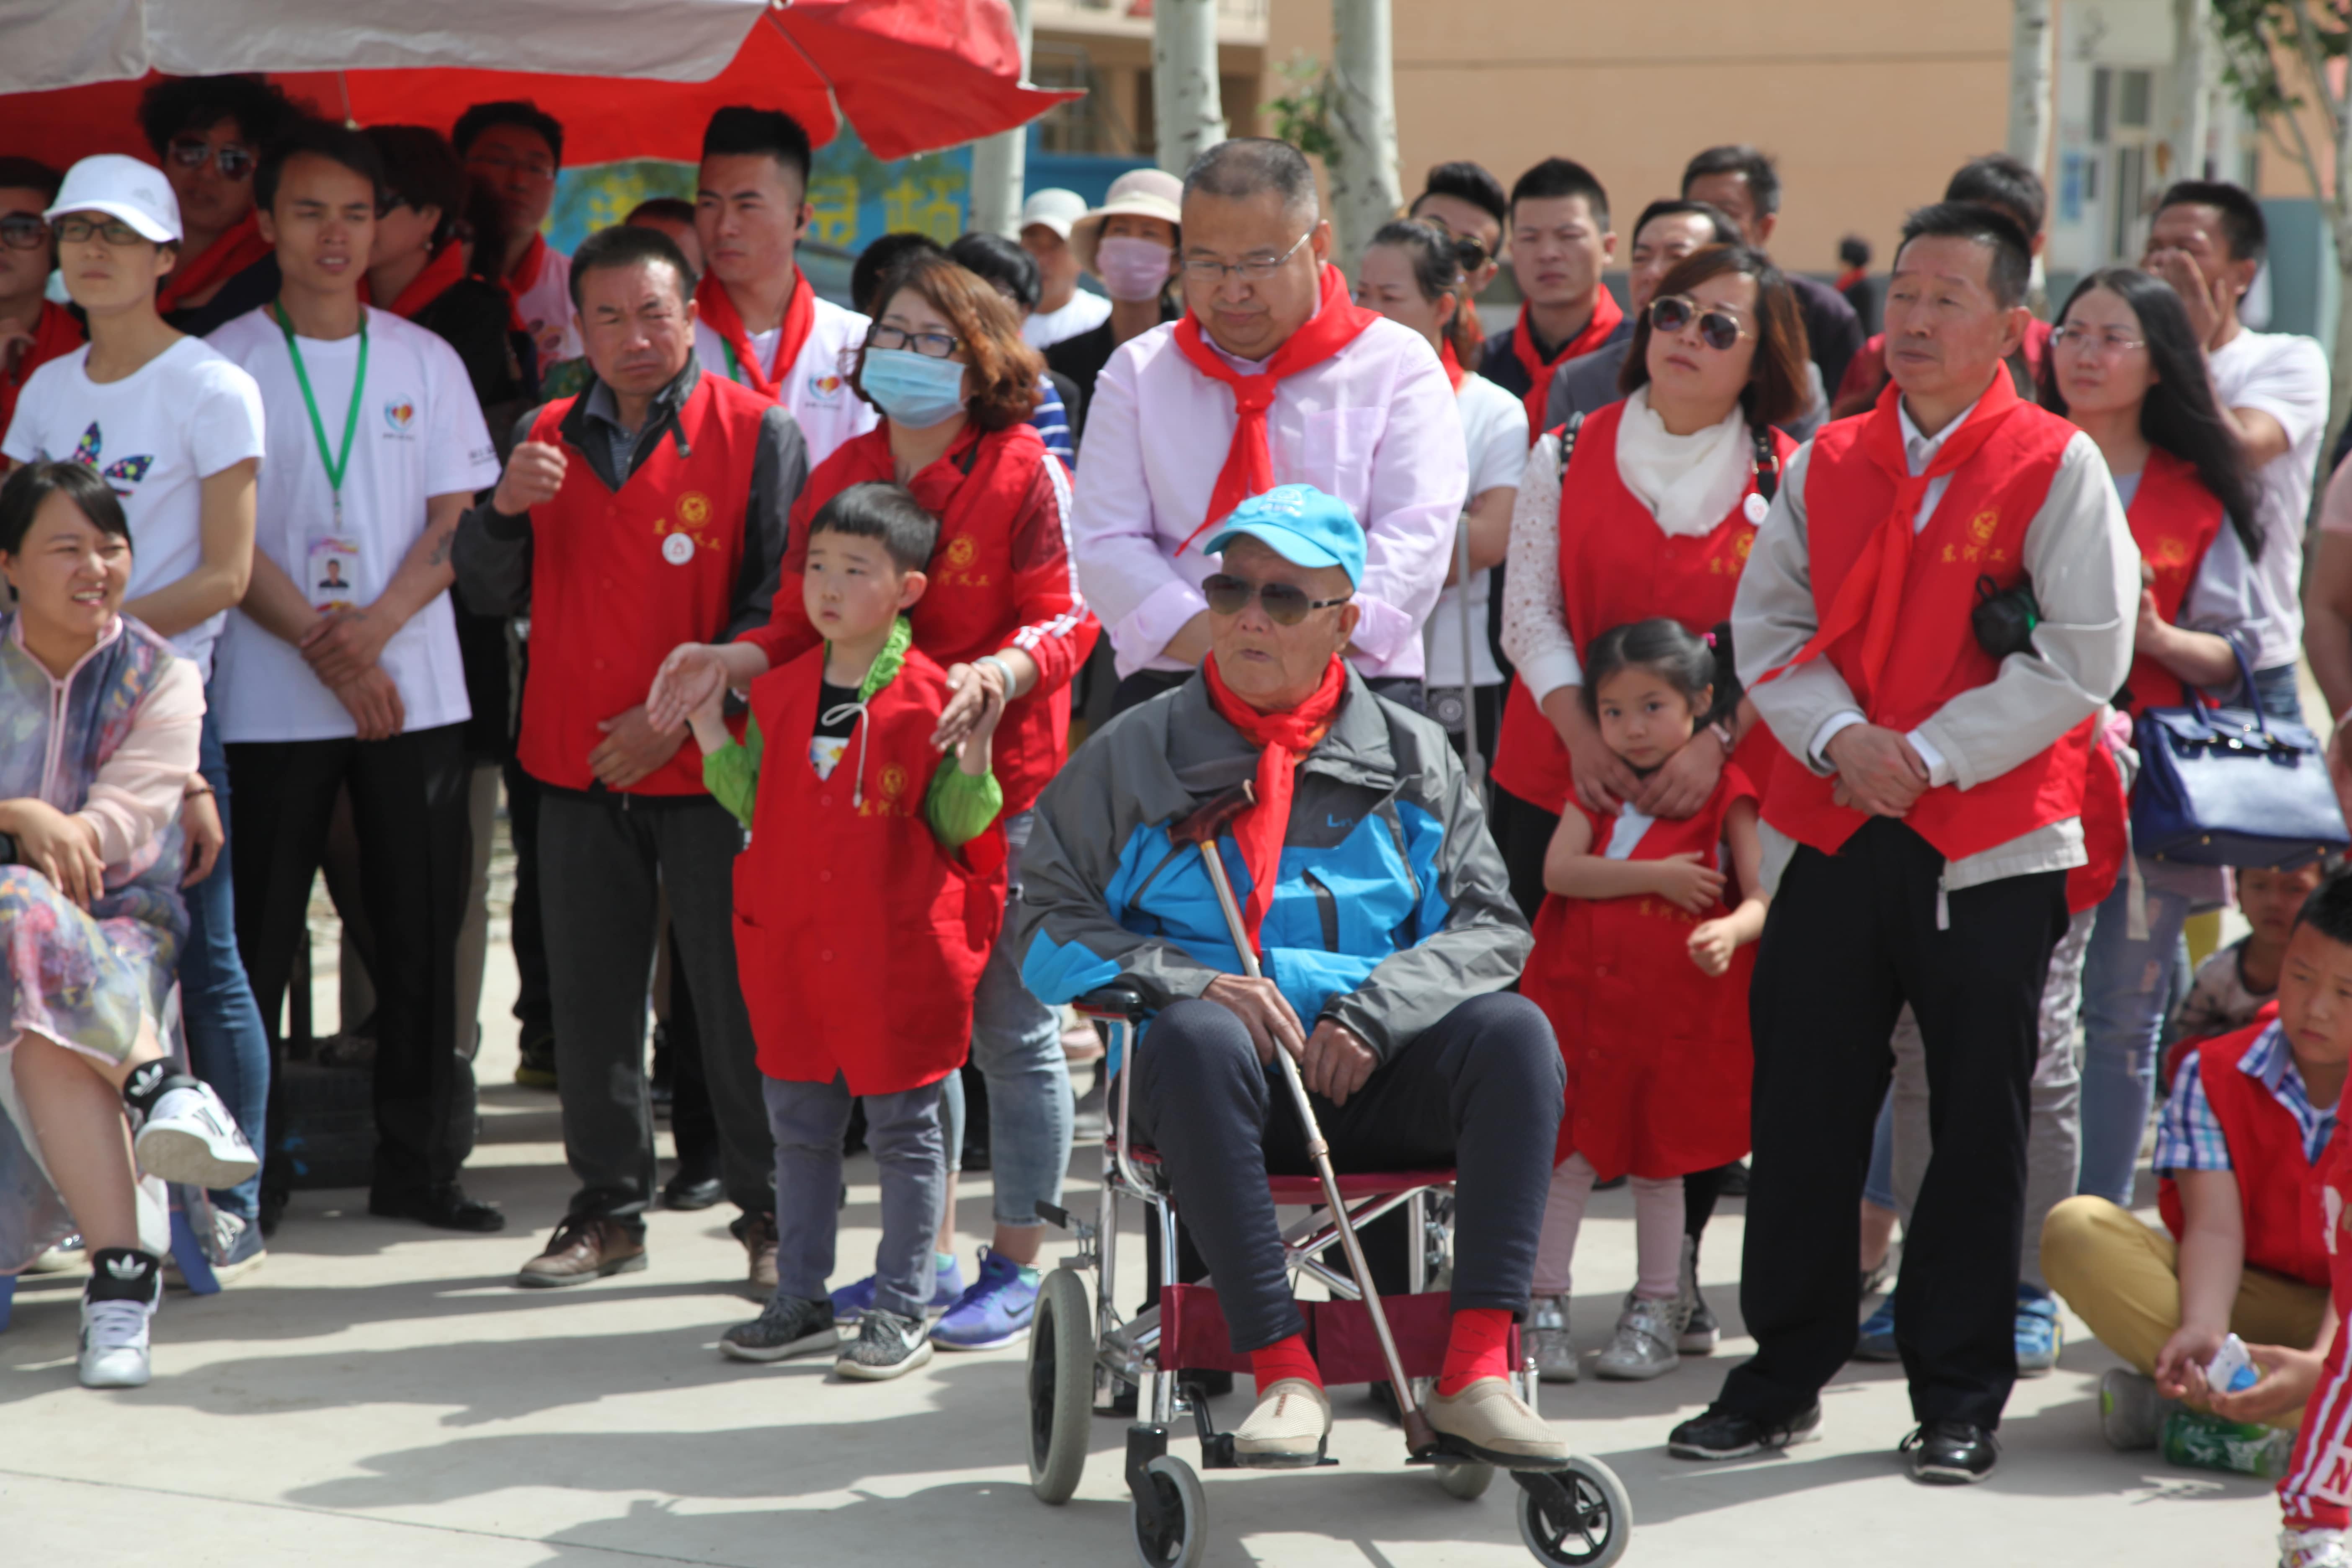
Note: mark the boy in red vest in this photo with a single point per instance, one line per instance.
(869, 895)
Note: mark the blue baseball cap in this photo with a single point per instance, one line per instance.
(1302, 525)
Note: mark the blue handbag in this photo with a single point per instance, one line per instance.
(2232, 786)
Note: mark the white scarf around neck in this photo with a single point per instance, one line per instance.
(1690, 483)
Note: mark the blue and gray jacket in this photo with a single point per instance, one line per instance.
(1393, 906)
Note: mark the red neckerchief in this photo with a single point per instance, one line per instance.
(1606, 314)
(523, 276)
(1453, 363)
(1249, 461)
(55, 333)
(238, 248)
(443, 272)
(1871, 596)
(1285, 740)
(716, 309)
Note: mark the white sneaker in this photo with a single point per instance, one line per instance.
(116, 1309)
(1288, 1430)
(65, 1257)
(190, 1137)
(1643, 1346)
(1548, 1341)
(2314, 1548)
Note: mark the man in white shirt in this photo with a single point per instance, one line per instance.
(759, 323)
(2208, 241)
(1337, 397)
(350, 679)
(517, 150)
(1063, 309)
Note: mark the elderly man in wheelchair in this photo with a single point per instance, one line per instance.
(1379, 912)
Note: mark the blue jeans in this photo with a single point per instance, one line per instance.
(2276, 690)
(226, 1044)
(2127, 986)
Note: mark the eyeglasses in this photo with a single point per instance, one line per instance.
(2089, 340)
(1208, 270)
(24, 231)
(1285, 606)
(1718, 329)
(76, 229)
(500, 163)
(235, 163)
(934, 345)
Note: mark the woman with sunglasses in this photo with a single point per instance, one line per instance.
(34, 329)
(945, 365)
(1413, 273)
(207, 133)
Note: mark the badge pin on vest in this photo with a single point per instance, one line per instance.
(1756, 507)
(678, 548)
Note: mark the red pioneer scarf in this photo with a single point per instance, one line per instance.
(1286, 739)
(1872, 594)
(1453, 363)
(1606, 314)
(237, 249)
(443, 272)
(1249, 461)
(717, 309)
(55, 333)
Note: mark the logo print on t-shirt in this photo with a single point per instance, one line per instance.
(399, 413)
(825, 386)
(91, 453)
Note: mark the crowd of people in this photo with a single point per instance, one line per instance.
(1638, 792)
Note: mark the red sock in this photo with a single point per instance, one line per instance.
(1477, 1345)
(1284, 1358)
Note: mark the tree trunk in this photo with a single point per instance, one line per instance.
(2188, 127)
(998, 162)
(2031, 43)
(1365, 192)
(1189, 112)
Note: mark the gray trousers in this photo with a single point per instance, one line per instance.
(603, 858)
(2053, 1126)
(903, 1130)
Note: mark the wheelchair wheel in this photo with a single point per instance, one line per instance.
(1182, 1541)
(1579, 1516)
(1061, 1386)
(1467, 1480)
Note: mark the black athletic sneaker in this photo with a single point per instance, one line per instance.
(1715, 1433)
(886, 1346)
(1951, 1453)
(786, 1326)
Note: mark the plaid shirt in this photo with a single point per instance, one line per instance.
(2188, 1135)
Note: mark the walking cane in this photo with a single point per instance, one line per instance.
(1203, 827)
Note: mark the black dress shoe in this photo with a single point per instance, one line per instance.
(444, 1208)
(685, 1192)
(1715, 1433)
(1951, 1453)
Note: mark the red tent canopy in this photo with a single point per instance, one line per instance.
(911, 75)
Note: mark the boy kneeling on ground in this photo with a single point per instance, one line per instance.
(866, 904)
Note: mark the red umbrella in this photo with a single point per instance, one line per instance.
(911, 75)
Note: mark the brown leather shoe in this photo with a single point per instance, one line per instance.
(583, 1249)
(757, 1232)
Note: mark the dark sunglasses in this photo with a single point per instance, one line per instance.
(1469, 254)
(1285, 606)
(1719, 330)
(234, 162)
(24, 231)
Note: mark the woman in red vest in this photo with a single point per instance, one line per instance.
(945, 366)
(2124, 366)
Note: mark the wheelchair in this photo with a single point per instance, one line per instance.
(1087, 1360)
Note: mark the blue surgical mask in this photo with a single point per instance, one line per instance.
(914, 389)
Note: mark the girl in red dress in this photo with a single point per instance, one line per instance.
(1642, 952)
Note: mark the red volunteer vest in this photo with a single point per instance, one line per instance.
(1616, 567)
(2286, 1220)
(1658, 1054)
(2106, 830)
(981, 491)
(1977, 530)
(858, 938)
(2174, 519)
(618, 578)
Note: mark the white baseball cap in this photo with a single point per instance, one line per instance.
(1055, 207)
(122, 188)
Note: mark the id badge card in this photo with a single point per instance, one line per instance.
(333, 574)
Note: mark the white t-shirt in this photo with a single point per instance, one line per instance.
(816, 392)
(1084, 313)
(420, 434)
(2285, 377)
(155, 437)
(1494, 428)
(546, 309)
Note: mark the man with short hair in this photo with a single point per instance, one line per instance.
(648, 512)
(1666, 232)
(1741, 182)
(2207, 240)
(1918, 837)
(1466, 201)
(34, 329)
(208, 132)
(516, 149)
(1560, 243)
(674, 215)
(1273, 377)
(758, 322)
(1063, 309)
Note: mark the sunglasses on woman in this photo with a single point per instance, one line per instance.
(235, 163)
(1718, 329)
(1285, 606)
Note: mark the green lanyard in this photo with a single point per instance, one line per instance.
(337, 464)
